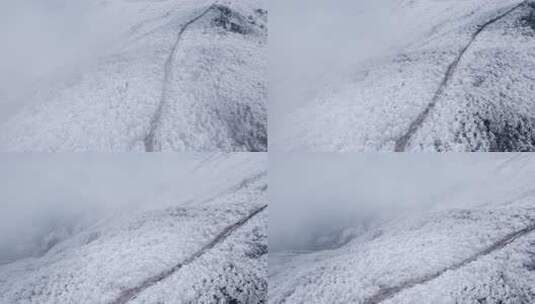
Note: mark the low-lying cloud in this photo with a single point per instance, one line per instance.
(58, 193)
(311, 192)
(41, 38)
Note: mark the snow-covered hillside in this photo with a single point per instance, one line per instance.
(462, 82)
(476, 245)
(209, 246)
(180, 76)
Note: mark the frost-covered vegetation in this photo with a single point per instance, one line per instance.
(177, 76)
(197, 236)
(451, 76)
(471, 241)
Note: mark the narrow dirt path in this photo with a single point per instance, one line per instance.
(149, 140)
(131, 293)
(389, 292)
(403, 141)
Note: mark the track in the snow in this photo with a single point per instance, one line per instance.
(389, 292)
(131, 293)
(403, 141)
(149, 140)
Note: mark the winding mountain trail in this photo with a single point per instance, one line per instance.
(150, 140)
(131, 293)
(403, 141)
(389, 292)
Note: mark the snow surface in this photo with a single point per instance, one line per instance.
(207, 250)
(186, 76)
(476, 248)
(462, 82)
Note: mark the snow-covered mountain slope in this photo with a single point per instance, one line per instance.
(464, 82)
(181, 76)
(459, 252)
(202, 250)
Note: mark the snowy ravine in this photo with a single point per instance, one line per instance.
(480, 250)
(183, 75)
(212, 249)
(465, 84)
